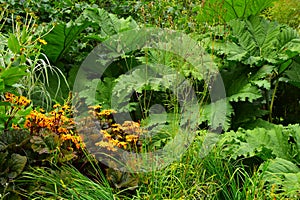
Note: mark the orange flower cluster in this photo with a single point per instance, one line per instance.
(125, 136)
(104, 114)
(16, 100)
(74, 138)
(56, 121)
(16, 104)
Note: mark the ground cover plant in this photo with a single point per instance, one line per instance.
(61, 134)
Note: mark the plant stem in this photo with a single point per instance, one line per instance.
(272, 100)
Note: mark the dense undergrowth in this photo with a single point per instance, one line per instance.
(246, 144)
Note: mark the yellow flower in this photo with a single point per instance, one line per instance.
(114, 142)
(15, 126)
(65, 107)
(97, 107)
(42, 124)
(106, 112)
(122, 144)
(27, 124)
(105, 134)
(116, 128)
(130, 138)
(77, 145)
(42, 41)
(61, 111)
(52, 113)
(22, 101)
(22, 49)
(62, 130)
(9, 97)
(56, 105)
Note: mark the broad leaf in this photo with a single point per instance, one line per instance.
(61, 38)
(1, 85)
(13, 44)
(217, 115)
(239, 85)
(12, 75)
(16, 164)
(110, 24)
(284, 174)
(247, 112)
(261, 142)
(142, 78)
(292, 75)
(256, 42)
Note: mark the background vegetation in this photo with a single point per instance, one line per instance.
(254, 43)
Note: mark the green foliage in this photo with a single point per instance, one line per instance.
(291, 74)
(67, 40)
(278, 141)
(256, 42)
(24, 68)
(197, 177)
(62, 183)
(103, 92)
(12, 158)
(257, 55)
(259, 63)
(285, 12)
(12, 162)
(216, 115)
(282, 175)
(278, 146)
(63, 35)
(10, 76)
(61, 38)
(48, 11)
(178, 15)
(218, 11)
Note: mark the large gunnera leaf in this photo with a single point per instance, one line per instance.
(256, 42)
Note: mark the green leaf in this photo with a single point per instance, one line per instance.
(292, 75)
(13, 44)
(238, 83)
(280, 165)
(294, 131)
(63, 35)
(256, 42)
(283, 173)
(257, 123)
(61, 38)
(261, 142)
(3, 161)
(2, 146)
(217, 114)
(110, 24)
(17, 164)
(257, 37)
(39, 145)
(247, 112)
(13, 75)
(104, 91)
(102, 18)
(142, 79)
(14, 136)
